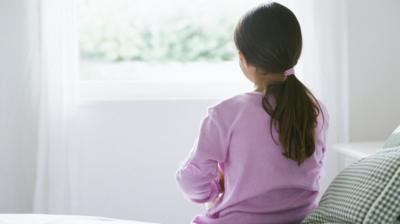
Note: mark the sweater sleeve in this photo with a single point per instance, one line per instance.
(321, 132)
(198, 174)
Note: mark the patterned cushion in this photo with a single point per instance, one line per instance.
(367, 191)
(394, 139)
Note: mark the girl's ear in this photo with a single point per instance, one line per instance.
(243, 60)
(245, 66)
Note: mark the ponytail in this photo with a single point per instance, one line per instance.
(294, 111)
(269, 36)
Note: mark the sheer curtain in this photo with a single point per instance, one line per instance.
(59, 58)
(38, 66)
(18, 106)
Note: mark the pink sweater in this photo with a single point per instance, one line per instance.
(261, 185)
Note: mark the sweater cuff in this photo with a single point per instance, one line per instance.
(215, 190)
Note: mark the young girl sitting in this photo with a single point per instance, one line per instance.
(258, 158)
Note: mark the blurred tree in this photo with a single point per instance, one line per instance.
(179, 38)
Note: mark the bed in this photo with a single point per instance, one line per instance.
(60, 219)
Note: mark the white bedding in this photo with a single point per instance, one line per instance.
(60, 219)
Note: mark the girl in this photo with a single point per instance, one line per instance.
(258, 158)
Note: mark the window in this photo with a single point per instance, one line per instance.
(159, 49)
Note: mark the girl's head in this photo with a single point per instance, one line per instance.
(269, 42)
(269, 39)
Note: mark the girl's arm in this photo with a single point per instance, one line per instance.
(221, 174)
(199, 176)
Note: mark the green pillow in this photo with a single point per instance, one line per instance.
(367, 191)
(394, 139)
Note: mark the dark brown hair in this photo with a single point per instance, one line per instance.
(269, 37)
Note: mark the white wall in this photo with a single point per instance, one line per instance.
(374, 68)
(127, 153)
(18, 120)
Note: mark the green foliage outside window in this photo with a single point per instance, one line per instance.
(177, 38)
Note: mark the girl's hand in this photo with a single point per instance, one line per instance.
(222, 187)
(221, 180)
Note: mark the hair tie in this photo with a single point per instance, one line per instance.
(289, 72)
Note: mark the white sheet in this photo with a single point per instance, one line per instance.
(60, 219)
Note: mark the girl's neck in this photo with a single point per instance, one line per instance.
(261, 82)
(259, 89)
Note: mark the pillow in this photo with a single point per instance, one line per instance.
(367, 191)
(394, 139)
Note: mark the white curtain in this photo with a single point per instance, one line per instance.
(59, 58)
(18, 107)
(37, 101)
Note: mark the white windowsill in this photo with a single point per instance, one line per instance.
(351, 152)
(359, 150)
(130, 90)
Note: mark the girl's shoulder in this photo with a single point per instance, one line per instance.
(237, 102)
(232, 109)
